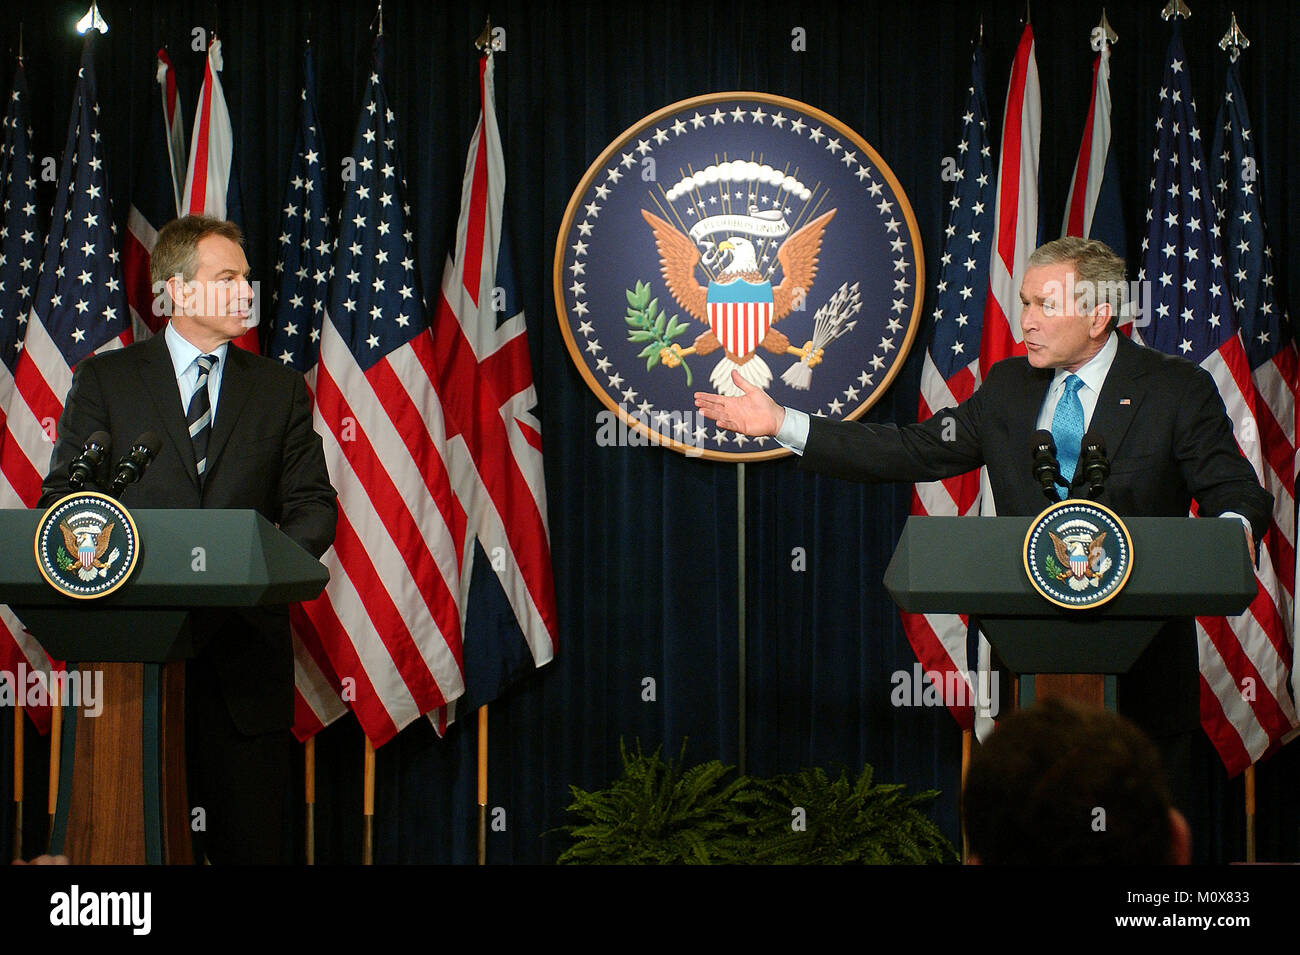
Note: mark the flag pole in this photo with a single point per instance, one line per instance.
(741, 662)
(56, 746)
(309, 785)
(482, 783)
(368, 807)
(1250, 813)
(966, 737)
(18, 772)
(483, 43)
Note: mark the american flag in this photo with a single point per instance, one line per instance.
(20, 258)
(1093, 209)
(302, 291)
(155, 195)
(494, 442)
(20, 250)
(950, 374)
(79, 306)
(1193, 317)
(1266, 331)
(388, 619)
(1015, 224)
(211, 183)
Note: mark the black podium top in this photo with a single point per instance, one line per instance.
(1182, 567)
(188, 558)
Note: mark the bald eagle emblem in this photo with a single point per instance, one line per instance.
(731, 241)
(740, 304)
(89, 542)
(87, 545)
(1078, 554)
(1083, 562)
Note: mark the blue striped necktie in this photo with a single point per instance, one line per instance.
(1067, 429)
(199, 416)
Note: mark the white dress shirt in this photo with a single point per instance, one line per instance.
(185, 361)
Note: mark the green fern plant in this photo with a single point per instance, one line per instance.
(806, 818)
(658, 812)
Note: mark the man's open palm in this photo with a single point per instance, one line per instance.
(754, 413)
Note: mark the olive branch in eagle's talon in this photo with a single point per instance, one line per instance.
(648, 324)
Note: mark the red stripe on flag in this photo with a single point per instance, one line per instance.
(199, 149)
(368, 706)
(1219, 728)
(1079, 188)
(401, 527)
(476, 223)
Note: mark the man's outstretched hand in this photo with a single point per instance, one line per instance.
(754, 413)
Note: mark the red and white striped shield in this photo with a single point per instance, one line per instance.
(740, 314)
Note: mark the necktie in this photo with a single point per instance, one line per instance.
(199, 415)
(1067, 428)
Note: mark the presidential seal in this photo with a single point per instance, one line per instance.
(1078, 554)
(737, 232)
(86, 545)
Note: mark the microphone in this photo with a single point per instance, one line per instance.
(1047, 471)
(86, 464)
(1092, 459)
(131, 468)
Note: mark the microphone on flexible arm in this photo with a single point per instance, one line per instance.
(1047, 470)
(1093, 462)
(85, 465)
(131, 467)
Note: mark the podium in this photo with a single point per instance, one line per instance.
(1182, 567)
(122, 796)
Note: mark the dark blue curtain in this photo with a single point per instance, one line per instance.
(645, 541)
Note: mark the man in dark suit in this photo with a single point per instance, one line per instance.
(1161, 419)
(236, 432)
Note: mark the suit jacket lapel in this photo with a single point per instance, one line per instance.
(1121, 394)
(159, 376)
(235, 381)
(1025, 412)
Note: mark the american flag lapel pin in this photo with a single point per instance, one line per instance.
(1124, 401)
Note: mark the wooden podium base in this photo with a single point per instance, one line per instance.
(122, 797)
(1090, 689)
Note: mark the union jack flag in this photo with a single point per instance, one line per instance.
(155, 196)
(1015, 223)
(1266, 331)
(302, 293)
(211, 182)
(494, 442)
(1093, 209)
(951, 374)
(79, 306)
(1193, 317)
(388, 620)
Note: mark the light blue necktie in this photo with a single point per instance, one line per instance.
(1067, 428)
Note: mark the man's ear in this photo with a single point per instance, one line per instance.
(177, 290)
(1101, 316)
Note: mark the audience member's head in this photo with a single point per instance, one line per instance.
(1064, 784)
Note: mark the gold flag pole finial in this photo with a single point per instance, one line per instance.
(1234, 40)
(379, 19)
(484, 40)
(1107, 32)
(1174, 9)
